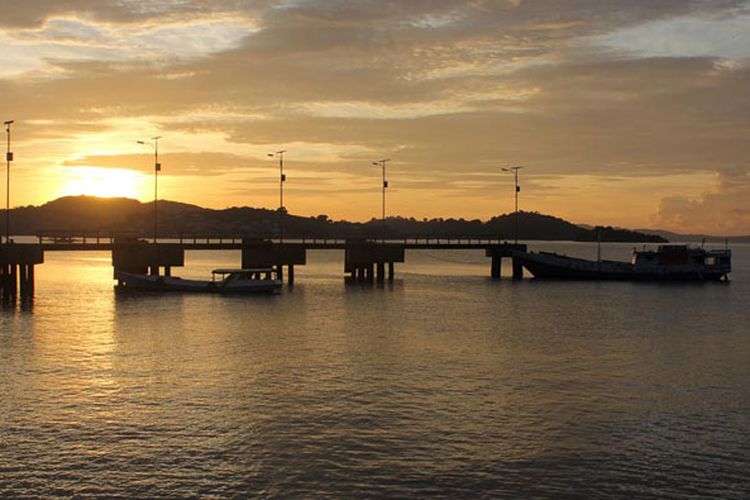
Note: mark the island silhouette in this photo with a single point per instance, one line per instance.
(78, 214)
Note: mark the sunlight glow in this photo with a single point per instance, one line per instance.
(104, 182)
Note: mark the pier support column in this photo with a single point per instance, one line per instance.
(13, 280)
(517, 269)
(23, 278)
(362, 273)
(154, 271)
(280, 271)
(381, 272)
(17, 263)
(167, 270)
(371, 272)
(495, 271)
(290, 279)
(391, 272)
(3, 280)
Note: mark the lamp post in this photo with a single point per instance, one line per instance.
(282, 177)
(8, 159)
(381, 163)
(282, 180)
(515, 170)
(157, 169)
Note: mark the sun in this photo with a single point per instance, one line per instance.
(103, 182)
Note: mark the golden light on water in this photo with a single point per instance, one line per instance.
(104, 182)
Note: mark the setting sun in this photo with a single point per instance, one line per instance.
(103, 182)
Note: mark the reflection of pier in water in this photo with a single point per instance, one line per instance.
(365, 260)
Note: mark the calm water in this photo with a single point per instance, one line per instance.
(444, 384)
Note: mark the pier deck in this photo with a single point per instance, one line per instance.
(365, 259)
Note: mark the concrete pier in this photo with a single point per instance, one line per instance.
(507, 250)
(17, 263)
(265, 254)
(139, 257)
(365, 261)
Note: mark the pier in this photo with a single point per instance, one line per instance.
(366, 260)
(17, 262)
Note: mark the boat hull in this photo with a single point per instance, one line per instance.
(143, 282)
(559, 267)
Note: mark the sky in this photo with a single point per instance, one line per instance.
(631, 113)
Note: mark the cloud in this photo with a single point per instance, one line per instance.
(64, 40)
(447, 89)
(723, 211)
(684, 37)
(197, 163)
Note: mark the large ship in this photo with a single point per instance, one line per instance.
(666, 263)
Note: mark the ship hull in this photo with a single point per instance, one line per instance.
(559, 267)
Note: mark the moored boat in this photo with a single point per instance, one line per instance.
(666, 263)
(225, 281)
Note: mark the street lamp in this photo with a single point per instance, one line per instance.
(157, 169)
(282, 180)
(8, 159)
(282, 176)
(381, 163)
(515, 170)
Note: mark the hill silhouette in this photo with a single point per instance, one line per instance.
(112, 215)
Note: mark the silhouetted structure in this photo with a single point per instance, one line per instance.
(17, 263)
(365, 260)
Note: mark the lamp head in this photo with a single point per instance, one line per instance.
(9, 122)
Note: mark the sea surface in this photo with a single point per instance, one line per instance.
(445, 383)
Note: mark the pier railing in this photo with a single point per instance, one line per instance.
(61, 240)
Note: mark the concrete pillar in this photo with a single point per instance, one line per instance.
(362, 273)
(13, 280)
(390, 271)
(495, 272)
(368, 272)
(381, 272)
(3, 279)
(167, 270)
(280, 269)
(23, 280)
(31, 280)
(517, 269)
(290, 279)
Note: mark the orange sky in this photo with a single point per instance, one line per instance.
(624, 113)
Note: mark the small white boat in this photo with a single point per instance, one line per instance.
(261, 280)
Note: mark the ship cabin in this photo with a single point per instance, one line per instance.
(683, 256)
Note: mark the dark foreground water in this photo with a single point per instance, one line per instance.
(444, 384)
